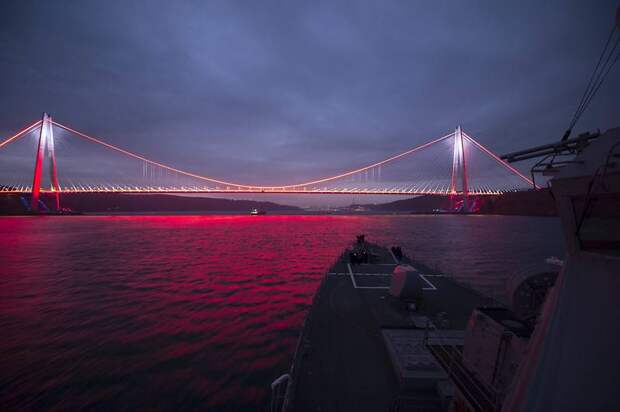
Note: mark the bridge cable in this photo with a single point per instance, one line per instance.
(19, 134)
(500, 161)
(253, 187)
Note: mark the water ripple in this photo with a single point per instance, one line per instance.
(189, 312)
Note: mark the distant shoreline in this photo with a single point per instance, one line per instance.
(275, 213)
(527, 203)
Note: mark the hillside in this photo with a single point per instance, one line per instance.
(526, 203)
(110, 202)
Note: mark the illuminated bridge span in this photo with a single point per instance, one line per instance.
(451, 165)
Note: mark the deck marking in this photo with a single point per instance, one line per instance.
(351, 274)
(393, 257)
(432, 287)
(377, 264)
(372, 287)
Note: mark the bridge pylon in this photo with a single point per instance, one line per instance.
(45, 149)
(425, 169)
(459, 167)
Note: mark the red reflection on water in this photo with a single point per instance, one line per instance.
(189, 312)
(193, 310)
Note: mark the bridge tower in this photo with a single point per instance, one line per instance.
(45, 148)
(459, 166)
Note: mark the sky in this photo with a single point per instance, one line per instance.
(275, 92)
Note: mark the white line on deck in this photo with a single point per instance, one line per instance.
(432, 287)
(372, 274)
(393, 257)
(376, 264)
(351, 274)
(372, 287)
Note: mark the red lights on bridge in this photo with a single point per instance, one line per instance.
(456, 159)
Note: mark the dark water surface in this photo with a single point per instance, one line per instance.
(200, 312)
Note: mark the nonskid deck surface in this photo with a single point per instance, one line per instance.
(343, 362)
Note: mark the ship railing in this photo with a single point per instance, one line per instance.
(280, 390)
(449, 355)
(282, 399)
(597, 211)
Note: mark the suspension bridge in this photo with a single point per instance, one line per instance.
(454, 165)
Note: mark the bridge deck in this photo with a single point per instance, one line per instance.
(394, 192)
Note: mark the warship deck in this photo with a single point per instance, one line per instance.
(362, 349)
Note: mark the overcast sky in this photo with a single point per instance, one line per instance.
(274, 92)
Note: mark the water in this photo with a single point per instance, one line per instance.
(200, 312)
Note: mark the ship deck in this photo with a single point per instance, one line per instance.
(356, 335)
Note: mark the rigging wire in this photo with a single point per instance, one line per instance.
(604, 75)
(598, 76)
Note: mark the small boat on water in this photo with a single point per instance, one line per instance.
(256, 212)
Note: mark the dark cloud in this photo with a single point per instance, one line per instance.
(273, 91)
